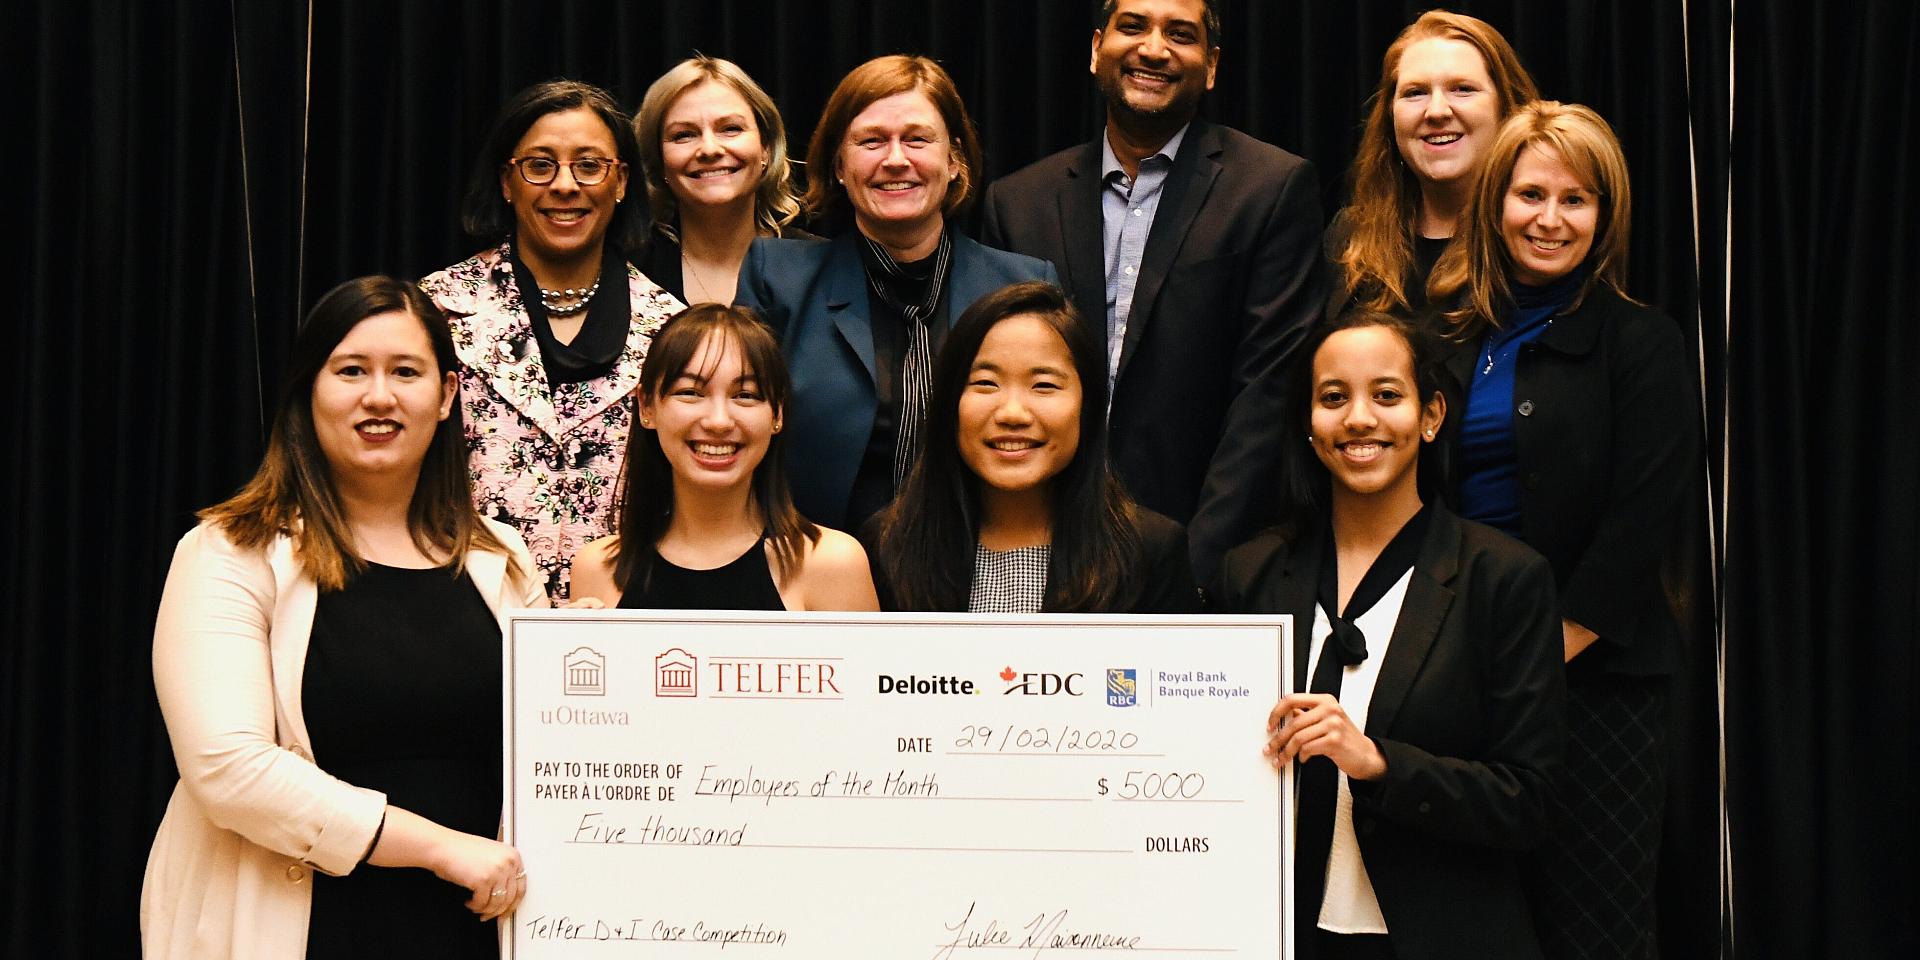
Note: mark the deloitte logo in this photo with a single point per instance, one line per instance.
(925, 685)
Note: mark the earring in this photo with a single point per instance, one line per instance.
(1429, 434)
(645, 422)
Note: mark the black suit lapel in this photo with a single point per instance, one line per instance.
(1084, 271)
(1292, 592)
(1428, 599)
(1188, 183)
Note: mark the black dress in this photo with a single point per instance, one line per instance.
(415, 651)
(745, 583)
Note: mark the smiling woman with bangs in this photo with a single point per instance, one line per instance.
(705, 520)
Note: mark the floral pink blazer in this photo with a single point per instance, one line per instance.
(545, 459)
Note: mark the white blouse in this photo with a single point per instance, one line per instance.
(1349, 905)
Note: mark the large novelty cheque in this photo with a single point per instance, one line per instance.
(853, 786)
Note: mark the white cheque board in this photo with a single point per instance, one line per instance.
(887, 786)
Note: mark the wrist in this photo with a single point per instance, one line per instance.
(1373, 765)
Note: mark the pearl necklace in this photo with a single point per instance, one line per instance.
(557, 301)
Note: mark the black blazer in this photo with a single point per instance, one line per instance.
(1606, 421)
(1168, 587)
(658, 256)
(1229, 282)
(1470, 712)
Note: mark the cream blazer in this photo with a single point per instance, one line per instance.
(253, 814)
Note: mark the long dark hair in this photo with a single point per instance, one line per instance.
(928, 534)
(292, 492)
(1308, 485)
(645, 507)
(487, 216)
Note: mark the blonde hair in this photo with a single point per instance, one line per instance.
(1474, 270)
(774, 204)
(1386, 193)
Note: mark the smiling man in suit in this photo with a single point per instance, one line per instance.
(1196, 247)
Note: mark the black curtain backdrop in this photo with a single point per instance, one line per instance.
(196, 173)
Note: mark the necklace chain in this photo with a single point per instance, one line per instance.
(686, 267)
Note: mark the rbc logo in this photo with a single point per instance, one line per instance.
(1122, 688)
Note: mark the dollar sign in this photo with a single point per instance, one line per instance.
(1103, 786)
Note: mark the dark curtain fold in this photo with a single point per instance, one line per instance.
(1822, 523)
(195, 173)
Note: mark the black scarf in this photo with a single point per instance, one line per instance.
(912, 290)
(603, 335)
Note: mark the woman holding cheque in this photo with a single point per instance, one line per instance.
(1012, 508)
(348, 591)
(1431, 717)
(704, 518)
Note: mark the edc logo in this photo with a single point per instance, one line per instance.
(1041, 684)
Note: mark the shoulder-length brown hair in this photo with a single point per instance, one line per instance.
(645, 506)
(292, 493)
(1386, 194)
(1473, 276)
(877, 79)
(774, 204)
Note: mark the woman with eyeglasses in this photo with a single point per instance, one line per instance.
(860, 318)
(550, 321)
(713, 157)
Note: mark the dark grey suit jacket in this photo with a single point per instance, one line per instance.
(1229, 282)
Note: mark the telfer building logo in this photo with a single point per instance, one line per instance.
(1122, 687)
(675, 674)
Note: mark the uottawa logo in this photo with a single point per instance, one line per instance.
(585, 672)
(1041, 684)
(676, 674)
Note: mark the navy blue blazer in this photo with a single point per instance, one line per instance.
(814, 295)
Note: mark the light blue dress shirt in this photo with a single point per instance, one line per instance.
(1127, 208)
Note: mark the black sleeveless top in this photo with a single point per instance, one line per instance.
(746, 583)
(402, 694)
